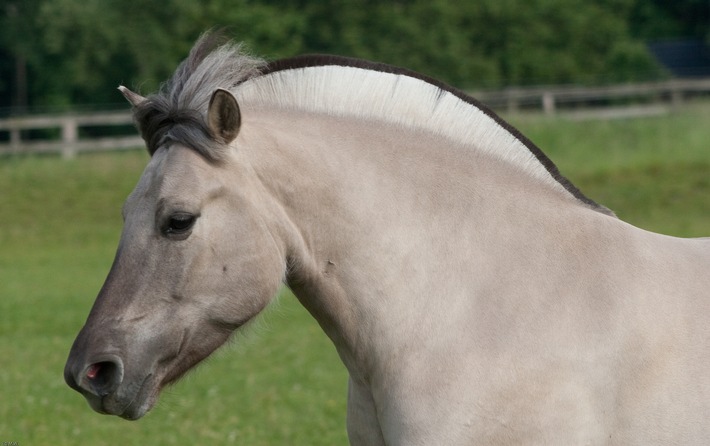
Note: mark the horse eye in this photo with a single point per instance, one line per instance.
(179, 224)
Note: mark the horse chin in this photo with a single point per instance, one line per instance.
(128, 406)
(135, 412)
(143, 402)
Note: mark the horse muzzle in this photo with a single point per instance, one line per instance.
(103, 383)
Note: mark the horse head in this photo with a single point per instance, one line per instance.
(195, 261)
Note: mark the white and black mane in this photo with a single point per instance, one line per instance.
(176, 113)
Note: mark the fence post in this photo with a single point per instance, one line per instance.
(512, 102)
(676, 95)
(70, 134)
(548, 103)
(15, 140)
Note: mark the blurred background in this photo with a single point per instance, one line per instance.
(59, 54)
(614, 91)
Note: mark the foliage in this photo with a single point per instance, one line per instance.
(61, 53)
(79, 51)
(663, 19)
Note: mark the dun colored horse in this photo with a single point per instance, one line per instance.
(473, 293)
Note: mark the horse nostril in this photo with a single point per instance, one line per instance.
(103, 377)
(93, 371)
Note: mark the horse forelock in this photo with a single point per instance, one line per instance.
(160, 125)
(177, 113)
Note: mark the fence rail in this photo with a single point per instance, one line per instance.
(68, 140)
(555, 98)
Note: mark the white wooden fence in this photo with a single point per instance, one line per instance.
(69, 142)
(556, 98)
(643, 97)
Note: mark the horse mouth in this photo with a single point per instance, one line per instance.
(137, 405)
(143, 401)
(145, 398)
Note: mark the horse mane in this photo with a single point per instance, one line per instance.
(335, 85)
(177, 112)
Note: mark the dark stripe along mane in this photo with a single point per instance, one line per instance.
(176, 113)
(318, 60)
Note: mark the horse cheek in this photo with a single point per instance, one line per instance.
(244, 284)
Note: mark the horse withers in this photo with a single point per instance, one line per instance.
(474, 294)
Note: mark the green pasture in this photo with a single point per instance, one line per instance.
(280, 382)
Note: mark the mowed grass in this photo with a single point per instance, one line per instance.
(280, 382)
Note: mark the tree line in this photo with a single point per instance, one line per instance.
(67, 53)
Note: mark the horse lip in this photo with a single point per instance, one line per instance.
(143, 400)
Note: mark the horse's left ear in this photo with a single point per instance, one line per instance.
(134, 98)
(223, 116)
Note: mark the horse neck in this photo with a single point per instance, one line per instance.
(366, 205)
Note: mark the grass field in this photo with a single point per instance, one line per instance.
(281, 382)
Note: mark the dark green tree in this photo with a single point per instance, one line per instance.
(64, 53)
(663, 19)
(20, 51)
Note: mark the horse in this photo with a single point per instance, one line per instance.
(473, 293)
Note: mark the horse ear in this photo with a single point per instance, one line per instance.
(223, 116)
(134, 98)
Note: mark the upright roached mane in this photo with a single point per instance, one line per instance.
(386, 92)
